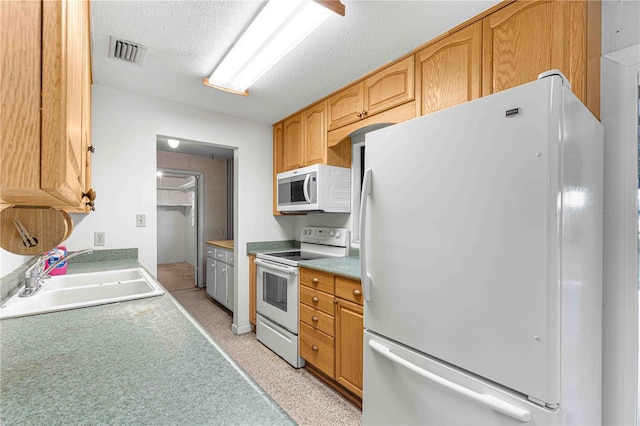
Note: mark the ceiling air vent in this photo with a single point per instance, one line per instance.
(126, 50)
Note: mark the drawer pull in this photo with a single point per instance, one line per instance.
(357, 293)
(314, 318)
(314, 348)
(314, 299)
(314, 280)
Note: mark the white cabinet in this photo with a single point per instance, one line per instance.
(220, 268)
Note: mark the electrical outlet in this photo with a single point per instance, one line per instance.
(141, 220)
(98, 238)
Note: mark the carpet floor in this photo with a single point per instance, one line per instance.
(304, 397)
(177, 276)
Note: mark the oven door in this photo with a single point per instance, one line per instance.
(277, 293)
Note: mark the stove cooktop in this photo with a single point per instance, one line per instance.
(296, 255)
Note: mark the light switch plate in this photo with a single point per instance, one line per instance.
(141, 220)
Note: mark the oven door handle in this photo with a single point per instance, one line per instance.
(277, 267)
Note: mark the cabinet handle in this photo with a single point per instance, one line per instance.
(357, 293)
(91, 149)
(363, 113)
(359, 114)
(314, 348)
(314, 280)
(314, 299)
(314, 318)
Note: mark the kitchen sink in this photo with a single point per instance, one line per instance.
(63, 292)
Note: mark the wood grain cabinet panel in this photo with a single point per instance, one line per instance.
(317, 300)
(278, 153)
(526, 38)
(317, 280)
(345, 106)
(49, 131)
(253, 282)
(449, 71)
(389, 88)
(318, 349)
(292, 145)
(386, 89)
(315, 134)
(350, 290)
(348, 341)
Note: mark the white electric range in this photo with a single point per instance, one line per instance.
(277, 288)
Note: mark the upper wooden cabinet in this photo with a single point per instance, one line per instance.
(386, 89)
(46, 117)
(304, 141)
(526, 38)
(449, 71)
(278, 153)
(315, 134)
(292, 143)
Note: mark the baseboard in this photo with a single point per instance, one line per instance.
(242, 329)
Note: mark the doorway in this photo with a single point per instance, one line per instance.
(179, 197)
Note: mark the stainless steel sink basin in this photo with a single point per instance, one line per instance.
(63, 292)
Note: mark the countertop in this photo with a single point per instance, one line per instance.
(137, 362)
(348, 266)
(227, 244)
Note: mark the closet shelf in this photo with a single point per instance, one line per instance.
(173, 205)
(185, 187)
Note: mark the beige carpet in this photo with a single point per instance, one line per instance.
(305, 398)
(177, 276)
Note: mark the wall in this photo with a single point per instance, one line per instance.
(124, 176)
(619, 67)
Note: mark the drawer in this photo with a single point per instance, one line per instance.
(224, 255)
(350, 290)
(316, 280)
(317, 319)
(317, 300)
(211, 252)
(317, 349)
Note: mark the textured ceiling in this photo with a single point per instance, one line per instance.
(186, 39)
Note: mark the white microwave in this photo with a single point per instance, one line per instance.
(316, 188)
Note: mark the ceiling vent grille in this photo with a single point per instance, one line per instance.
(126, 51)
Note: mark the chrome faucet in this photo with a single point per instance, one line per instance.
(36, 274)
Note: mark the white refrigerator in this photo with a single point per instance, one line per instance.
(481, 257)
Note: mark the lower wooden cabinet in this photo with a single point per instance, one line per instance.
(331, 329)
(253, 282)
(348, 343)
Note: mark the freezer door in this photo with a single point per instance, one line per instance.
(462, 235)
(402, 386)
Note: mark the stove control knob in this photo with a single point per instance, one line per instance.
(332, 233)
(338, 234)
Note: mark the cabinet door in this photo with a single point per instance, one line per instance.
(349, 339)
(450, 70)
(253, 282)
(64, 110)
(221, 283)
(526, 38)
(315, 134)
(389, 88)
(345, 107)
(229, 291)
(278, 152)
(292, 156)
(211, 276)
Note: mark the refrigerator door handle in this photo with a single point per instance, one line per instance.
(365, 278)
(488, 400)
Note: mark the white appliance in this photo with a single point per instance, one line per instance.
(277, 288)
(481, 265)
(319, 188)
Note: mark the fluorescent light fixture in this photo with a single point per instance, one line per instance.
(173, 143)
(279, 27)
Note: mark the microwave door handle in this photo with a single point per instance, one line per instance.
(305, 188)
(366, 192)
